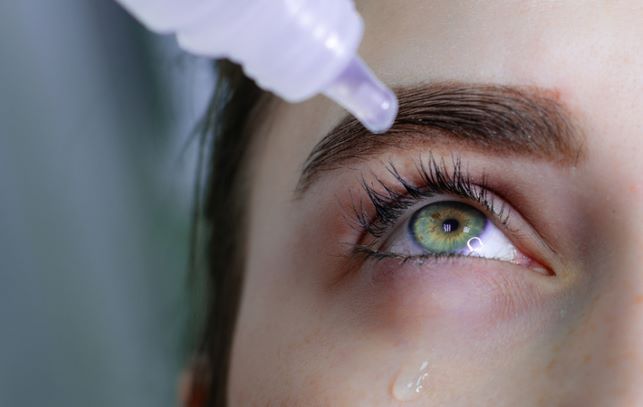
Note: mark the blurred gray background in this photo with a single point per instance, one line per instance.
(95, 201)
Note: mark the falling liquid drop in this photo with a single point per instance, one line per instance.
(409, 383)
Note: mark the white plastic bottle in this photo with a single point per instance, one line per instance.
(294, 48)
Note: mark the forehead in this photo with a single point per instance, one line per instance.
(544, 43)
(586, 51)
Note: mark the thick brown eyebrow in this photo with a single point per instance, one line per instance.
(501, 120)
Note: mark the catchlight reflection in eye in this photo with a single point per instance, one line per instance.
(452, 228)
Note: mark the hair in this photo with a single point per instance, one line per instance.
(226, 128)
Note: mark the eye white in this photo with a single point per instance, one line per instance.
(491, 244)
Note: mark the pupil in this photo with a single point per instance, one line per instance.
(450, 225)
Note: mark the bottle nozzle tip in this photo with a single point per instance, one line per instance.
(364, 96)
(380, 110)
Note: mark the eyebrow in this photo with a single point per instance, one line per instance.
(500, 120)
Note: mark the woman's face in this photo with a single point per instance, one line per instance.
(487, 253)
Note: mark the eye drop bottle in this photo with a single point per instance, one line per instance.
(293, 48)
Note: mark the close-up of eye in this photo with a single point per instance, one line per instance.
(449, 228)
(446, 215)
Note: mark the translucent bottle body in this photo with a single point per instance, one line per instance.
(294, 48)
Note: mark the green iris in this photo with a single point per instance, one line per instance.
(446, 227)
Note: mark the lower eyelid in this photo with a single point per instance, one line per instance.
(478, 292)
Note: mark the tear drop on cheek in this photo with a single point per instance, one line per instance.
(410, 382)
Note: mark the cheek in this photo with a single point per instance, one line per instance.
(290, 339)
(455, 303)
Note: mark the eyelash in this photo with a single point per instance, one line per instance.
(435, 178)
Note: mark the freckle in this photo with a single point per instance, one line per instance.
(587, 359)
(639, 299)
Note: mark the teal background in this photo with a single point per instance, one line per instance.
(96, 178)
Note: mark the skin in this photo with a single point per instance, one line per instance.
(318, 328)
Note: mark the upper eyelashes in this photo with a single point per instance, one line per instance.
(391, 201)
